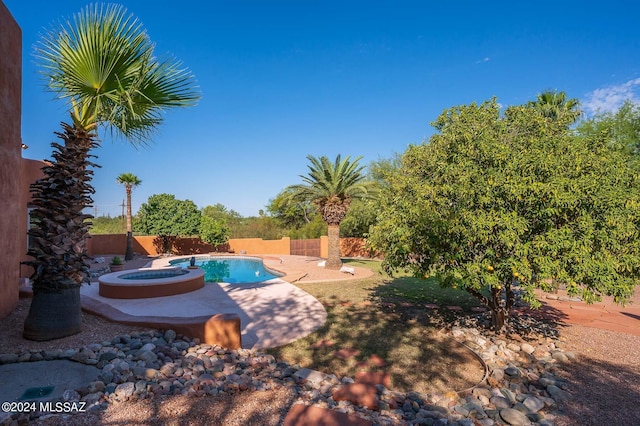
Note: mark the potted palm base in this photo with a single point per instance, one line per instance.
(116, 264)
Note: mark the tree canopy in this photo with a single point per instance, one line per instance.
(168, 217)
(556, 106)
(494, 203)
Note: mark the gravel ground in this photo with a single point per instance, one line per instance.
(605, 381)
(241, 409)
(605, 378)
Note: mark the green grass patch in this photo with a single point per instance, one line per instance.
(405, 287)
(425, 291)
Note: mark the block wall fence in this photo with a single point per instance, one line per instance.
(115, 244)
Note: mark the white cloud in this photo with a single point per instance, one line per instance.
(485, 59)
(609, 99)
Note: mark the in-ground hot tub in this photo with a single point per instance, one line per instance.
(146, 283)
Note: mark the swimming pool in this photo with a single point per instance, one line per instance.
(230, 269)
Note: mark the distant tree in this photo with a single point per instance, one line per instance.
(382, 169)
(331, 187)
(213, 231)
(495, 203)
(264, 227)
(130, 181)
(106, 225)
(291, 213)
(220, 212)
(361, 216)
(167, 217)
(622, 126)
(314, 229)
(231, 218)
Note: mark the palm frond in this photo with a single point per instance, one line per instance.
(101, 61)
(343, 179)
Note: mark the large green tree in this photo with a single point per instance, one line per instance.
(331, 187)
(497, 203)
(130, 181)
(102, 63)
(167, 217)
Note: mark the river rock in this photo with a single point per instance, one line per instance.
(514, 417)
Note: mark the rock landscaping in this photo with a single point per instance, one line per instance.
(521, 387)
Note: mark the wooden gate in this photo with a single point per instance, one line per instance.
(305, 247)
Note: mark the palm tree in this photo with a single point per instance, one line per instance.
(555, 105)
(101, 62)
(130, 181)
(331, 187)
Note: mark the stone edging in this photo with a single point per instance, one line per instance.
(522, 387)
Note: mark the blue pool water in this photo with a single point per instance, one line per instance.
(229, 270)
(152, 275)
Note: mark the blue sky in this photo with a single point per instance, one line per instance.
(284, 79)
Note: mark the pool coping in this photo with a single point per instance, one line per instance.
(113, 287)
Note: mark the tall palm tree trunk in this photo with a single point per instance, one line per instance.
(129, 253)
(333, 256)
(59, 241)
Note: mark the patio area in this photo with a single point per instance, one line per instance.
(271, 314)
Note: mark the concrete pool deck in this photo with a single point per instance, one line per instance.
(272, 313)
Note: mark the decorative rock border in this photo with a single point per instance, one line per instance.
(523, 387)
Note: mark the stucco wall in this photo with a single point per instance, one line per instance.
(260, 246)
(356, 247)
(12, 229)
(148, 245)
(116, 243)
